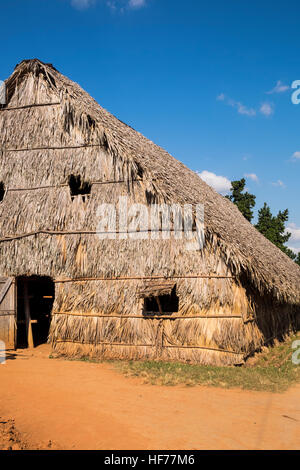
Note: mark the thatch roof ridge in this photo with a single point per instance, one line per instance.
(246, 250)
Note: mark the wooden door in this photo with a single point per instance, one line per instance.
(8, 312)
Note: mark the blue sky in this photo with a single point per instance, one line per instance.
(208, 81)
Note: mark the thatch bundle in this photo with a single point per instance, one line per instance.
(235, 294)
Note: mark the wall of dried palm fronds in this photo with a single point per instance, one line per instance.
(41, 146)
(217, 325)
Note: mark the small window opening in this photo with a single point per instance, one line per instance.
(91, 121)
(140, 171)
(2, 191)
(168, 304)
(78, 187)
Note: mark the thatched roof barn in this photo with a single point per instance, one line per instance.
(62, 156)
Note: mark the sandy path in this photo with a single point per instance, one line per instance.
(81, 405)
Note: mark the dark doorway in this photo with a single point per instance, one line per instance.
(35, 296)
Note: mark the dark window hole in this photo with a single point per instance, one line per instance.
(79, 187)
(169, 304)
(2, 191)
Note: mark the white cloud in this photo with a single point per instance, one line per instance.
(136, 3)
(240, 107)
(111, 4)
(252, 176)
(279, 184)
(294, 241)
(278, 88)
(295, 231)
(82, 4)
(119, 5)
(220, 183)
(296, 155)
(266, 109)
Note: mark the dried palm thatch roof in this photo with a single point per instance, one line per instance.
(243, 248)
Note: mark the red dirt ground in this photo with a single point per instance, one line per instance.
(59, 404)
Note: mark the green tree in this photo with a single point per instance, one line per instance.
(273, 228)
(297, 259)
(243, 200)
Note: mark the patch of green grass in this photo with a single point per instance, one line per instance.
(272, 370)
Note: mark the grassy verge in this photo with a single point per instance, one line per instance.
(271, 370)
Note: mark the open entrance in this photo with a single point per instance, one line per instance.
(35, 296)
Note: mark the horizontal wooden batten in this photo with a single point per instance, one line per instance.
(131, 278)
(48, 232)
(104, 343)
(77, 232)
(7, 313)
(206, 348)
(27, 106)
(66, 147)
(90, 232)
(64, 185)
(149, 346)
(147, 317)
